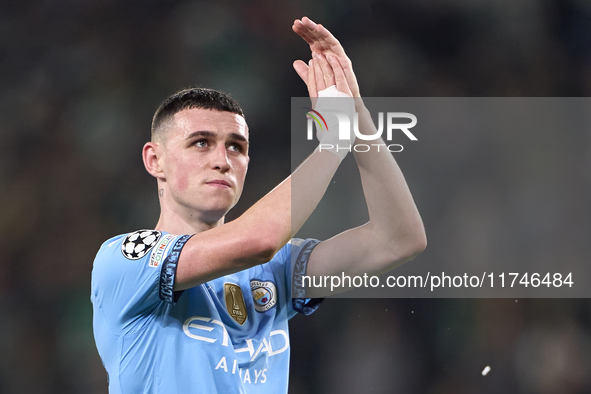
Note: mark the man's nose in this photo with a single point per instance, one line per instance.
(220, 160)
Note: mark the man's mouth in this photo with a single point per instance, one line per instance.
(219, 183)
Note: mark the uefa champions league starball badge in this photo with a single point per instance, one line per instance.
(136, 245)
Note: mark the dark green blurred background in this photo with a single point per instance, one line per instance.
(81, 79)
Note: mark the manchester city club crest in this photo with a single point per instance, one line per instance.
(235, 302)
(264, 295)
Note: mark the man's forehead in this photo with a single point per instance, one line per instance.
(190, 120)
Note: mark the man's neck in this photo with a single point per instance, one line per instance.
(175, 223)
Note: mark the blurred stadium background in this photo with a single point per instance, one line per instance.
(81, 79)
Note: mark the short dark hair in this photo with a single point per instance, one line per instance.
(202, 98)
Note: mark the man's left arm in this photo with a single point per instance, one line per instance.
(395, 231)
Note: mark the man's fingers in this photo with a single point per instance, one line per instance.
(318, 75)
(307, 32)
(300, 30)
(347, 68)
(322, 41)
(327, 72)
(302, 69)
(329, 42)
(339, 76)
(307, 29)
(308, 23)
(312, 89)
(320, 35)
(312, 31)
(306, 72)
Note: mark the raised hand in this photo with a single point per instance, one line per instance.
(323, 73)
(323, 45)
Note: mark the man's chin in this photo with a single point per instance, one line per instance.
(214, 210)
(213, 214)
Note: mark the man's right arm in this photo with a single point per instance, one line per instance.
(257, 235)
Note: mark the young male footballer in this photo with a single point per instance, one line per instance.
(198, 305)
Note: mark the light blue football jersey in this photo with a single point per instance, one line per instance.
(229, 335)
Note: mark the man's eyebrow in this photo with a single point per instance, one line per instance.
(201, 133)
(238, 137)
(211, 134)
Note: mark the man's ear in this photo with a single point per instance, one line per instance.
(151, 155)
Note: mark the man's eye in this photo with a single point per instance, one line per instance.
(201, 144)
(235, 147)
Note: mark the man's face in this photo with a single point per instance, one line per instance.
(205, 160)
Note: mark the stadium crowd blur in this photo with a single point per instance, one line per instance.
(81, 79)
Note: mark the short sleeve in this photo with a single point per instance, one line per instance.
(168, 273)
(300, 255)
(133, 277)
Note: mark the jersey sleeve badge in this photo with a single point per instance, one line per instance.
(137, 244)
